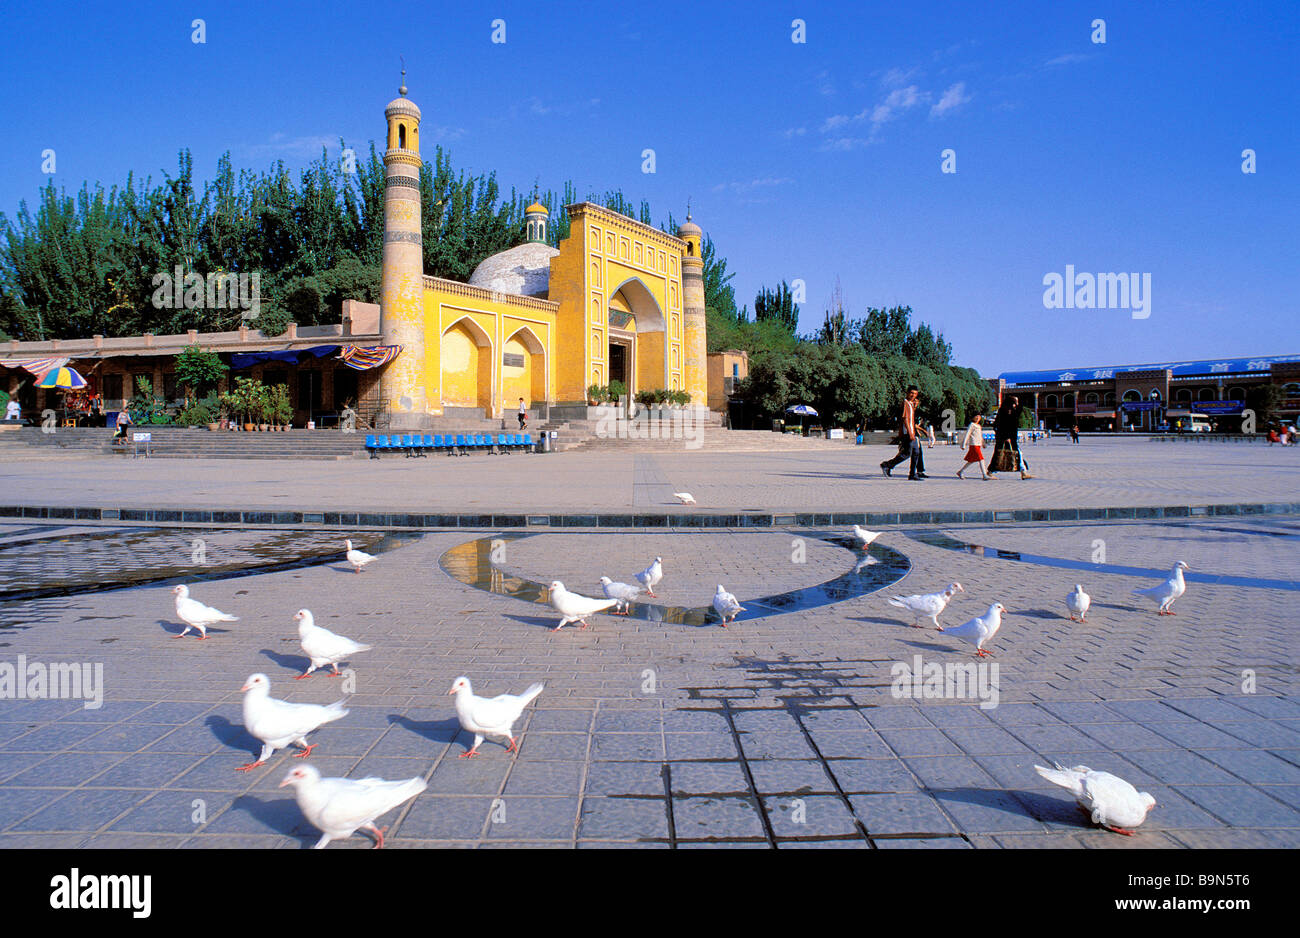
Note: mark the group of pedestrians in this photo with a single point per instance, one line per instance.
(1006, 447)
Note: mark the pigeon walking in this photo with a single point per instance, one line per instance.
(726, 605)
(358, 558)
(574, 607)
(1112, 802)
(339, 807)
(686, 498)
(277, 723)
(623, 592)
(928, 605)
(1078, 603)
(489, 716)
(195, 615)
(980, 629)
(1164, 594)
(651, 575)
(863, 536)
(322, 645)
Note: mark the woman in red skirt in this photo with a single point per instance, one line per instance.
(973, 441)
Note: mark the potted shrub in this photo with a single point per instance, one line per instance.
(616, 391)
(279, 408)
(197, 369)
(681, 398)
(195, 415)
(246, 401)
(595, 394)
(216, 411)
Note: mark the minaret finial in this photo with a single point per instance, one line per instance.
(688, 208)
(402, 90)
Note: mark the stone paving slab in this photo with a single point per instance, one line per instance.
(780, 731)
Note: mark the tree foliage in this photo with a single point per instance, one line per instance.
(83, 264)
(855, 371)
(777, 306)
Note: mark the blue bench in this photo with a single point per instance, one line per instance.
(528, 443)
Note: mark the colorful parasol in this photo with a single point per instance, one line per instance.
(66, 378)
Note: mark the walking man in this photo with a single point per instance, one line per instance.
(909, 446)
(523, 414)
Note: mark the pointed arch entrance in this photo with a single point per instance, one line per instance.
(523, 369)
(466, 366)
(638, 337)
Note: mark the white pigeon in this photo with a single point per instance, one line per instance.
(195, 615)
(339, 807)
(277, 723)
(322, 645)
(574, 607)
(980, 629)
(358, 558)
(623, 592)
(928, 605)
(1078, 603)
(490, 716)
(1164, 594)
(726, 605)
(651, 575)
(686, 498)
(1113, 803)
(863, 536)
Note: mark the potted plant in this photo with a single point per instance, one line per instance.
(595, 394)
(216, 410)
(279, 408)
(246, 400)
(197, 369)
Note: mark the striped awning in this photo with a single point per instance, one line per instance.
(363, 358)
(40, 367)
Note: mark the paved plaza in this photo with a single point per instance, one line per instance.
(782, 730)
(1096, 473)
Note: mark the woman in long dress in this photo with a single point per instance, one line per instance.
(973, 443)
(1006, 448)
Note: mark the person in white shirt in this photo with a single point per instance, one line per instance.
(523, 414)
(13, 410)
(973, 443)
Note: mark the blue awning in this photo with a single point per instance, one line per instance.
(1209, 367)
(239, 360)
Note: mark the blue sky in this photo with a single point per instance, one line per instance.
(809, 161)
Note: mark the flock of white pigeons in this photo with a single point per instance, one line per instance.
(339, 807)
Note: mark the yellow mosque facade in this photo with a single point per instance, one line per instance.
(618, 300)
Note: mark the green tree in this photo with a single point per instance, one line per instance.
(199, 371)
(1264, 400)
(777, 306)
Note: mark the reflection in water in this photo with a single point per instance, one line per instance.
(880, 566)
(948, 542)
(116, 558)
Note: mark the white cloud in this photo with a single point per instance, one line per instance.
(897, 76)
(951, 99)
(825, 83)
(281, 146)
(795, 132)
(844, 144)
(752, 184)
(899, 100)
(1068, 59)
